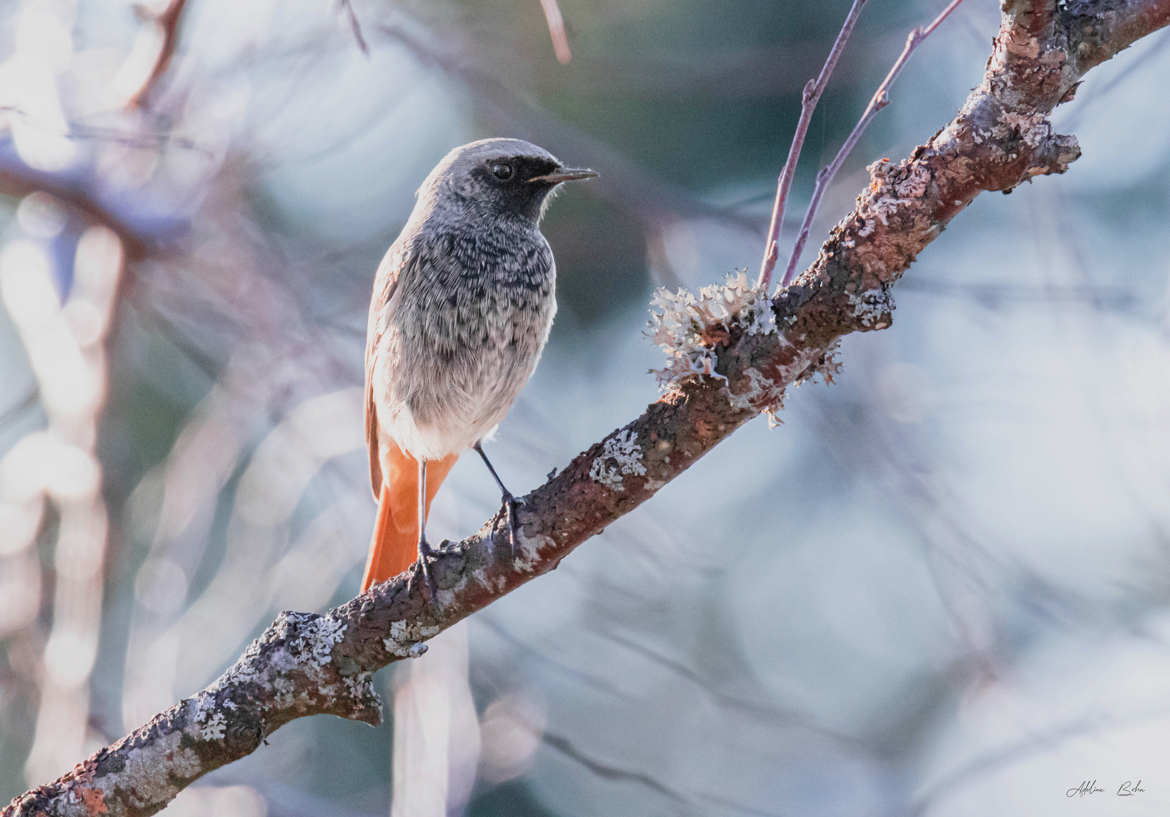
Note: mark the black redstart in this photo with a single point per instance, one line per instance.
(462, 306)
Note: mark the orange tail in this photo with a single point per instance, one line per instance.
(395, 543)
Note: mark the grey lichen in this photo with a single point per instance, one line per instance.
(139, 780)
(527, 555)
(872, 308)
(204, 721)
(682, 322)
(761, 392)
(406, 638)
(213, 728)
(318, 639)
(620, 457)
(890, 193)
(685, 324)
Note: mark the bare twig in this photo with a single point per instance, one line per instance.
(346, 7)
(168, 21)
(140, 138)
(556, 31)
(809, 98)
(880, 99)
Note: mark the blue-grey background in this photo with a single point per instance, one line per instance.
(939, 588)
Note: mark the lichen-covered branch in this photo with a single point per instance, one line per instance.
(730, 357)
(346, 7)
(1000, 138)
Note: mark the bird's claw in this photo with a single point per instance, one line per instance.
(510, 503)
(425, 553)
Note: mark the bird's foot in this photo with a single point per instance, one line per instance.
(510, 503)
(425, 553)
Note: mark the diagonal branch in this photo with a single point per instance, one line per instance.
(355, 26)
(143, 228)
(307, 664)
(556, 31)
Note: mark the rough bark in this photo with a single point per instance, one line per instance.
(307, 664)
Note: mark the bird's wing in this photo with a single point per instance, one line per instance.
(385, 282)
(372, 438)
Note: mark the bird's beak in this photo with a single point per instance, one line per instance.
(566, 174)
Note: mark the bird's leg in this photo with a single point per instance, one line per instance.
(424, 548)
(507, 498)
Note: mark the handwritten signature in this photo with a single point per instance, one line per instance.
(1127, 788)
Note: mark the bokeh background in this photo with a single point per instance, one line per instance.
(939, 588)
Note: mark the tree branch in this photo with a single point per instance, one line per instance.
(307, 664)
(556, 31)
(142, 230)
(346, 7)
(167, 22)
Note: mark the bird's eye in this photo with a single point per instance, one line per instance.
(502, 171)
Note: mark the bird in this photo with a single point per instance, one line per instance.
(461, 308)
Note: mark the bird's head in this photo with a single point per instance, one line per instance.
(504, 178)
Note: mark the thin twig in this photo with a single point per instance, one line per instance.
(347, 8)
(168, 22)
(556, 30)
(880, 99)
(809, 98)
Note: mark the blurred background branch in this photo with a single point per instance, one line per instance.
(346, 8)
(184, 286)
(556, 30)
(155, 45)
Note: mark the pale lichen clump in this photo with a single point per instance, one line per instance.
(621, 456)
(406, 639)
(681, 321)
(892, 189)
(871, 308)
(203, 715)
(683, 325)
(527, 555)
(284, 690)
(360, 685)
(213, 729)
(139, 780)
(762, 394)
(318, 639)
